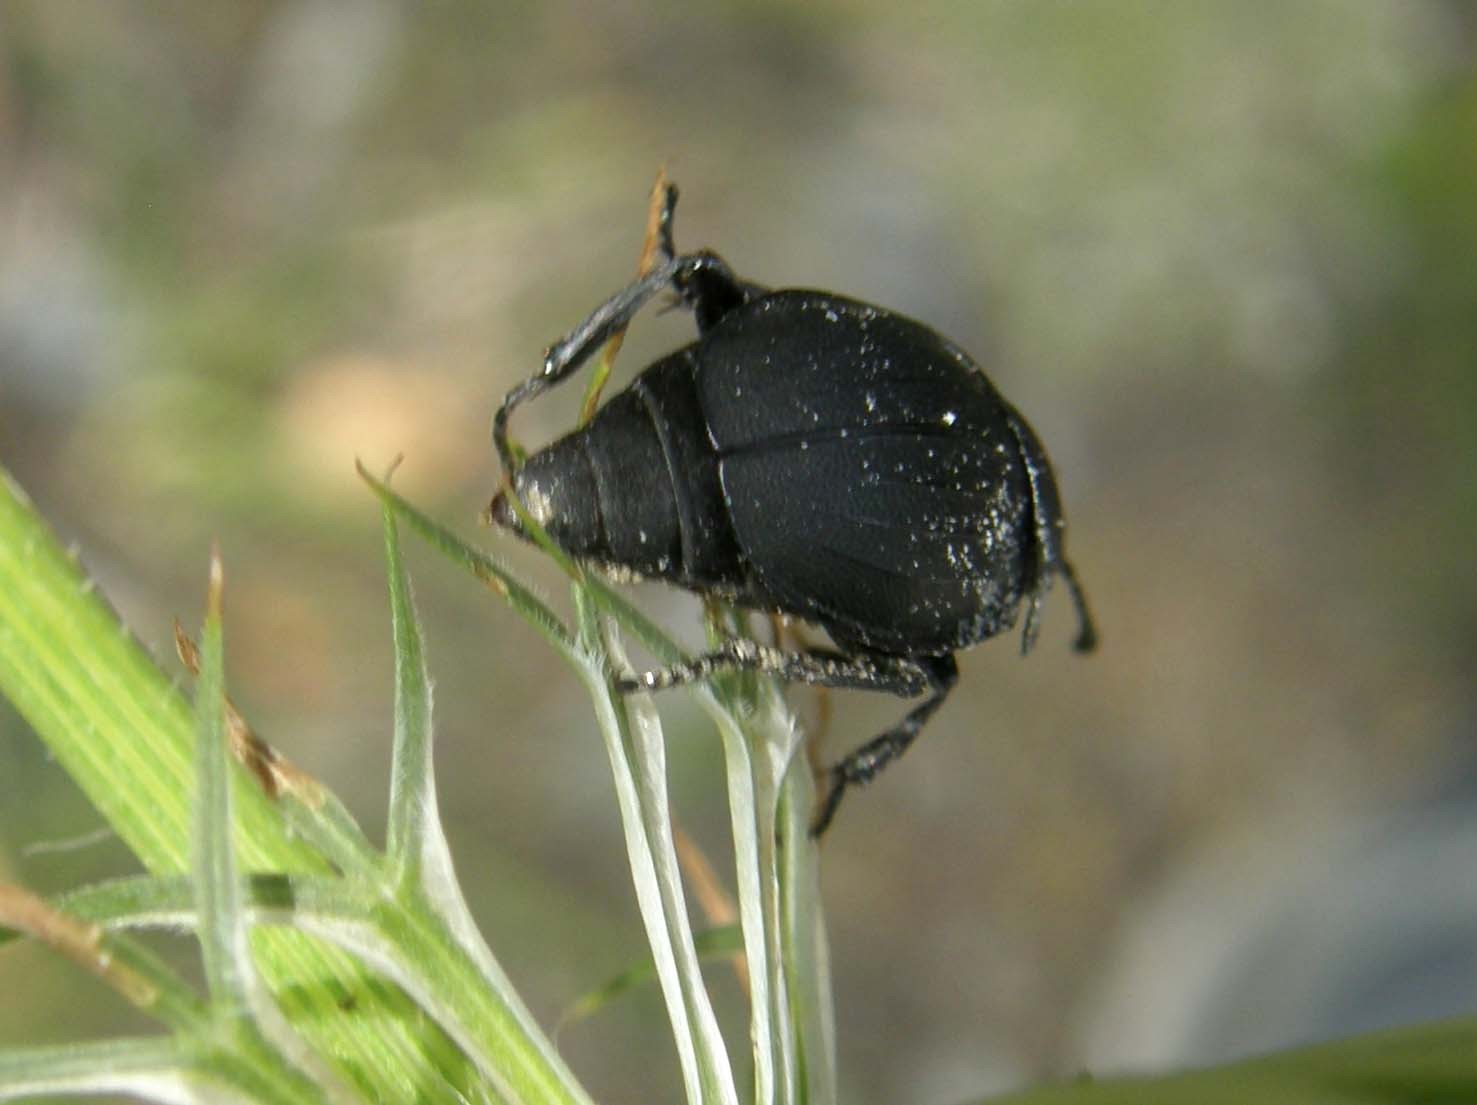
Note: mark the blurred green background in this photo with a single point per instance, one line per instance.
(1223, 255)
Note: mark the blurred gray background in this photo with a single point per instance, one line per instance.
(1224, 257)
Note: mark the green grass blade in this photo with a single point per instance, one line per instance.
(122, 731)
(412, 777)
(1430, 1065)
(804, 946)
(131, 970)
(108, 715)
(222, 928)
(402, 941)
(313, 811)
(151, 1069)
(179, 1071)
(500, 1030)
(757, 751)
(723, 942)
(225, 1049)
(146, 901)
(517, 594)
(633, 740)
(756, 761)
(652, 637)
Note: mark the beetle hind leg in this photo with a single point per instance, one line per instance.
(900, 675)
(860, 766)
(855, 671)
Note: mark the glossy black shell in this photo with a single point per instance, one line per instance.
(819, 457)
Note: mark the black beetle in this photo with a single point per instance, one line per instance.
(813, 456)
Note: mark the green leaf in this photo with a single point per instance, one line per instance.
(757, 756)
(222, 928)
(633, 739)
(152, 1069)
(1430, 1065)
(523, 601)
(118, 726)
(180, 1071)
(518, 595)
(804, 948)
(425, 908)
(717, 943)
(128, 968)
(312, 811)
(213, 1044)
(757, 753)
(464, 994)
(412, 775)
(148, 901)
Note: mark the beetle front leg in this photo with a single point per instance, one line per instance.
(706, 285)
(567, 354)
